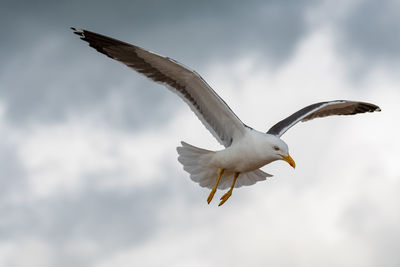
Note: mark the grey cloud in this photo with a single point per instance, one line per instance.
(373, 28)
(12, 173)
(369, 36)
(370, 221)
(110, 219)
(51, 82)
(48, 73)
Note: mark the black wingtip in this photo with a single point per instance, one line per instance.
(77, 31)
(372, 107)
(363, 107)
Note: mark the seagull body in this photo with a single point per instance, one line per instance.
(255, 147)
(246, 150)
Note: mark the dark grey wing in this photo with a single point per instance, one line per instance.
(322, 109)
(212, 111)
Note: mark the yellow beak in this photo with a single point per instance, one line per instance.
(289, 160)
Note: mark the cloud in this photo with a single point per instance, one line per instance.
(50, 73)
(364, 31)
(87, 224)
(88, 168)
(370, 29)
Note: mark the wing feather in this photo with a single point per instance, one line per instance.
(212, 111)
(322, 109)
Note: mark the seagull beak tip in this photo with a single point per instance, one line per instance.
(289, 160)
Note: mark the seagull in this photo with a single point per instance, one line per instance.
(246, 149)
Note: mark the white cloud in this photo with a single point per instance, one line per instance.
(60, 157)
(332, 210)
(28, 251)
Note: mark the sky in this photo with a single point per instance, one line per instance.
(88, 165)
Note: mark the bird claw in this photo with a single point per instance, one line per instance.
(225, 197)
(211, 195)
(214, 189)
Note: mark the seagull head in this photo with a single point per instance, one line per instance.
(280, 151)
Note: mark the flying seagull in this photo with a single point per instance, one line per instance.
(246, 150)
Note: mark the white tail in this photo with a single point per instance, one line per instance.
(199, 164)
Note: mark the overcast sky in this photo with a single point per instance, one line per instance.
(88, 169)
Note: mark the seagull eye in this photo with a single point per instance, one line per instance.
(276, 148)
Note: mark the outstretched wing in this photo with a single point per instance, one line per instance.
(212, 111)
(322, 109)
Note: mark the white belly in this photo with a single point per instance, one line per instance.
(246, 155)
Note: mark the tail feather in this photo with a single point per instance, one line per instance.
(250, 178)
(198, 163)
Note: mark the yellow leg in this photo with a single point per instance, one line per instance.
(229, 193)
(211, 195)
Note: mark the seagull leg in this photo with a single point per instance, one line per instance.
(229, 193)
(211, 195)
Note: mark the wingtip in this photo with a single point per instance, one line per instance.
(77, 31)
(370, 107)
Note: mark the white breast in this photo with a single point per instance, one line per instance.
(247, 154)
